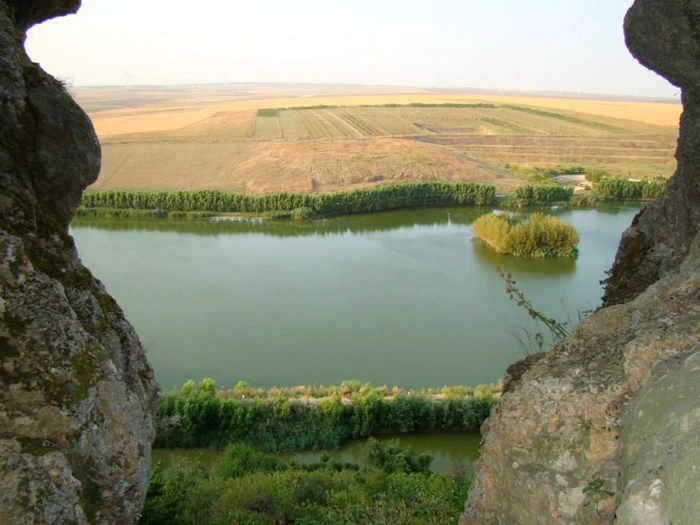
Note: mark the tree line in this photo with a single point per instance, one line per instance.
(381, 198)
(615, 189)
(543, 194)
(273, 112)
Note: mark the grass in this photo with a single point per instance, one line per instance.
(328, 139)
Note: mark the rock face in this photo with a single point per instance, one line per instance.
(604, 428)
(77, 396)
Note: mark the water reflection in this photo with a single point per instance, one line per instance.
(351, 224)
(522, 265)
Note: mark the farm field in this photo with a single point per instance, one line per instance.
(341, 137)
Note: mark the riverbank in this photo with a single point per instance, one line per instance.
(208, 204)
(308, 418)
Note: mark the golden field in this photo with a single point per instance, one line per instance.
(212, 137)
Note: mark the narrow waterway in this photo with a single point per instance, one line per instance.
(452, 452)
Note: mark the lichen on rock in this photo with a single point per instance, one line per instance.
(583, 436)
(77, 396)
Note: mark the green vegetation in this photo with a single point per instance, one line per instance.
(268, 112)
(561, 116)
(533, 195)
(537, 236)
(381, 198)
(282, 420)
(543, 175)
(273, 112)
(303, 213)
(248, 487)
(596, 175)
(624, 190)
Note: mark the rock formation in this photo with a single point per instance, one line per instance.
(77, 396)
(605, 427)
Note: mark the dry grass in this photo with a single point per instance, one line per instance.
(211, 138)
(299, 166)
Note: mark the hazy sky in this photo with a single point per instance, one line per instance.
(509, 44)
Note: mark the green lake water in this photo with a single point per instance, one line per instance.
(452, 452)
(406, 298)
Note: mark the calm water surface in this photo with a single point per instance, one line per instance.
(406, 297)
(451, 451)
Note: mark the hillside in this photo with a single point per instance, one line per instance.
(241, 138)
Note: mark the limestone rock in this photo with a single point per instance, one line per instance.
(606, 424)
(77, 396)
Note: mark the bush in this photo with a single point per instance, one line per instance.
(319, 494)
(391, 458)
(622, 190)
(543, 194)
(538, 236)
(303, 213)
(278, 214)
(240, 459)
(596, 175)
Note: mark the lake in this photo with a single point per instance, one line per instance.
(403, 298)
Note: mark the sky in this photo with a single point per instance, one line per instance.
(546, 45)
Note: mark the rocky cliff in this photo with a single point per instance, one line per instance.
(77, 396)
(605, 427)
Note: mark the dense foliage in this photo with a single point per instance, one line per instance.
(543, 194)
(199, 416)
(537, 236)
(623, 189)
(248, 487)
(387, 197)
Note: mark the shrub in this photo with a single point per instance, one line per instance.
(391, 458)
(622, 189)
(324, 493)
(596, 175)
(302, 213)
(543, 194)
(278, 214)
(240, 459)
(538, 236)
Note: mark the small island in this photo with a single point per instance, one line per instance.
(537, 236)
